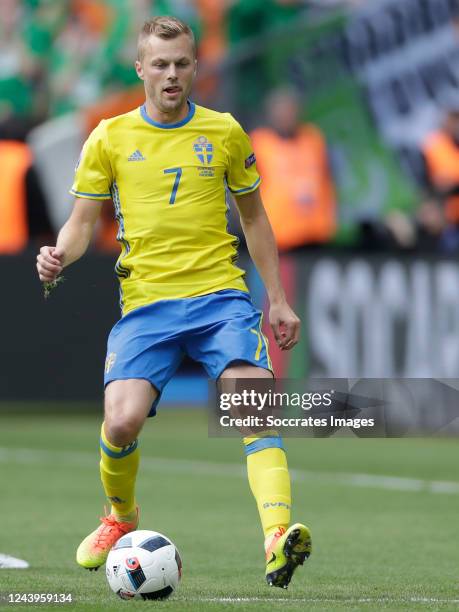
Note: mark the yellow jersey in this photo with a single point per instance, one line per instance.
(168, 187)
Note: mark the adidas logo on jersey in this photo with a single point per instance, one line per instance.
(136, 156)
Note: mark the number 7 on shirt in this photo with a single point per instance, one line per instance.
(178, 172)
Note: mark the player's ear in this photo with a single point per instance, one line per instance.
(195, 67)
(139, 69)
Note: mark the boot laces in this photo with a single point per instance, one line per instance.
(280, 532)
(111, 530)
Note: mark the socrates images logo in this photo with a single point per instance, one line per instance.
(110, 362)
(204, 150)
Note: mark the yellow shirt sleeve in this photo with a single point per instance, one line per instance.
(93, 174)
(242, 175)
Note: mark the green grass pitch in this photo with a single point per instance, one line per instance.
(384, 516)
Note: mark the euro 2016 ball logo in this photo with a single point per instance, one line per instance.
(135, 572)
(132, 563)
(204, 150)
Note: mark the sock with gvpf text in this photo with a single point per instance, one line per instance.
(118, 471)
(269, 480)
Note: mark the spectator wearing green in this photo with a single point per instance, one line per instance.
(17, 66)
(249, 19)
(86, 65)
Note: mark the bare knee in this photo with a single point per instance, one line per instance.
(126, 408)
(121, 428)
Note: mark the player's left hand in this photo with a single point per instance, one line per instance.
(285, 325)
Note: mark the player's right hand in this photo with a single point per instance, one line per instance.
(50, 263)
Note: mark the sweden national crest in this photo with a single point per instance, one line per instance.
(204, 150)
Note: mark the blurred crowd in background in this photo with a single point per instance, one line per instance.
(65, 64)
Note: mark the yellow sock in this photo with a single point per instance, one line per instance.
(118, 471)
(269, 480)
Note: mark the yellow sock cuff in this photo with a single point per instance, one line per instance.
(115, 452)
(264, 439)
(267, 433)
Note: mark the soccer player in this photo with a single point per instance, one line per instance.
(165, 166)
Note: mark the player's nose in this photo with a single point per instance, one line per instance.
(171, 72)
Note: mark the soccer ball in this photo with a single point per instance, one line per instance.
(144, 565)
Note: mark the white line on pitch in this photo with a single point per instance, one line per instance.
(27, 456)
(427, 600)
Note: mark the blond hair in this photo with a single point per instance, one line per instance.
(164, 27)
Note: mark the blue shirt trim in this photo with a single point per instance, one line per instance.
(245, 188)
(94, 195)
(169, 126)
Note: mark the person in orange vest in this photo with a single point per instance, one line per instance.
(23, 212)
(297, 185)
(441, 154)
(15, 160)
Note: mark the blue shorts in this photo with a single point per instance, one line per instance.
(214, 330)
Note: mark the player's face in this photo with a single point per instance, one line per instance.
(168, 68)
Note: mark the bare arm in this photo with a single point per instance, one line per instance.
(72, 241)
(263, 251)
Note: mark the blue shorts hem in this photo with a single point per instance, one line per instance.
(245, 360)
